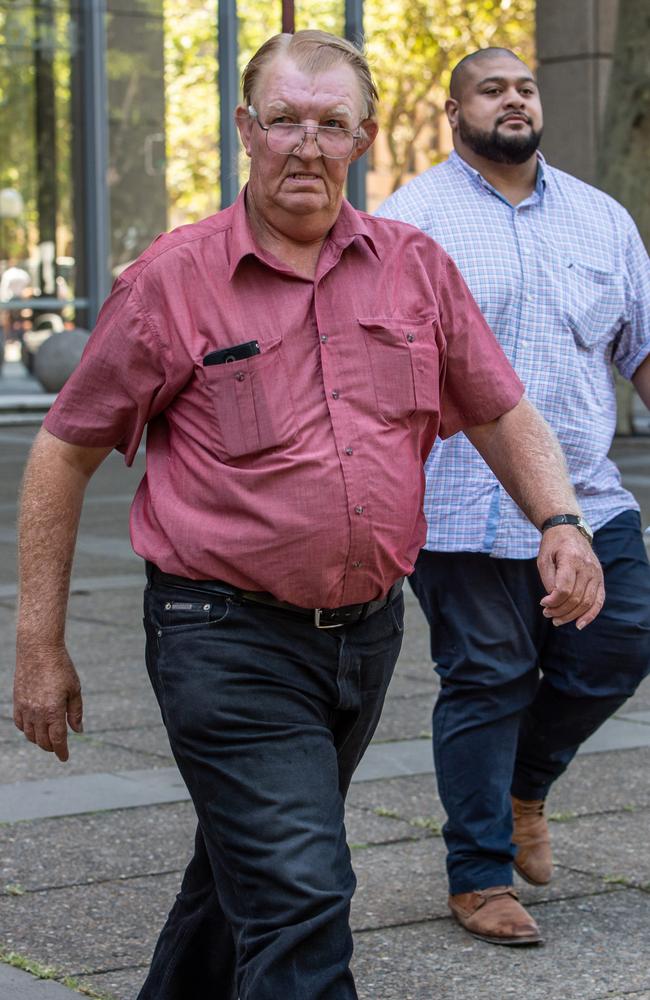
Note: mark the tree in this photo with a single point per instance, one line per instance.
(624, 156)
(413, 47)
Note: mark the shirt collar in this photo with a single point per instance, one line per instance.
(477, 178)
(349, 226)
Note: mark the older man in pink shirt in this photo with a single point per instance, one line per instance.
(293, 361)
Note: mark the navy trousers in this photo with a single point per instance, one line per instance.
(267, 718)
(518, 695)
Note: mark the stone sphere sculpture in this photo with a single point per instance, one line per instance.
(57, 358)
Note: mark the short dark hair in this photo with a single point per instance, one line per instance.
(459, 71)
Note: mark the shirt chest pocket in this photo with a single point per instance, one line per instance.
(251, 402)
(594, 303)
(404, 363)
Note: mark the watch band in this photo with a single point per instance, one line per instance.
(574, 519)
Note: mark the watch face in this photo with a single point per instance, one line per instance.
(584, 529)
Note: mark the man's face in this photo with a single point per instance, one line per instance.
(303, 183)
(499, 113)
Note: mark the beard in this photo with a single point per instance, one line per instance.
(513, 149)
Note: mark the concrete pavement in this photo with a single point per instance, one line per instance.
(91, 852)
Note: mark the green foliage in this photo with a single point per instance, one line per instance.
(412, 49)
(14, 889)
(192, 108)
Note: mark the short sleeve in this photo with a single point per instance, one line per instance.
(632, 345)
(479, 383)
(123, 379)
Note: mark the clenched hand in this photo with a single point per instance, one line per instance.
(572, 577)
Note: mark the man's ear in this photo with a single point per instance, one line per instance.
(369, 129)
(244, 124)
(451, 110)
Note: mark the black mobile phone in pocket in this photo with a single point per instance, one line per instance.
(237, 352)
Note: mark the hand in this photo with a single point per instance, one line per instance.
(47, 694)
(572, 577)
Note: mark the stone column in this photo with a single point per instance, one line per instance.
(575, 40)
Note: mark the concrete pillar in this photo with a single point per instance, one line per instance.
(575, 40)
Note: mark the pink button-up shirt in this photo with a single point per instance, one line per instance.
(298, 471)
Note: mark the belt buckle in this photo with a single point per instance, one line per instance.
(317, 614)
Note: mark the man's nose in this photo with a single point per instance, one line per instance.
(514, 98)
(309, 148)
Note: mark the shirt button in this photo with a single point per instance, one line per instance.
(324, 339)
(335, 394)
(526, 251)
(358, 509)
(356, 564)
(240, 376)
(410, 337)
(349, 451)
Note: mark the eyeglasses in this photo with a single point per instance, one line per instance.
(286, 137)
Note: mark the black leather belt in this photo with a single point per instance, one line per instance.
(321, 617)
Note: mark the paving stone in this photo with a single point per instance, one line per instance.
(409, 798)
(23, 761)
(18, 985)
(97, 847)
(601, 782)
(89, 929)
(364, 827)
(404, 884)
(639, 702)
(591, 785)
(613, 845)
(121, 609)
(8, 731)
(592, 951)
(122, 984)
(405, 718)
(41, 854)
(144, 739)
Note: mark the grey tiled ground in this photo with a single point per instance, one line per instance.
(591, 952)
(88, 893)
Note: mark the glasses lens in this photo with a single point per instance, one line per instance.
(285, 138)
(335, 141)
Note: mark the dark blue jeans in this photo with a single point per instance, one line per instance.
(499, 725)
(267, 718)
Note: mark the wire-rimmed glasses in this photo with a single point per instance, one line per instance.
(287, 137)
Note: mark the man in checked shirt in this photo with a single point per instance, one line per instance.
(562, 277)
(293, 360)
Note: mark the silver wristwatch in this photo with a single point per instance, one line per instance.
(574, 519)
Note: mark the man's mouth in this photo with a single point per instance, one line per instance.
(304, 177)
(515, 118)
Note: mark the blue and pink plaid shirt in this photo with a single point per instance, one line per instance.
(563, 279)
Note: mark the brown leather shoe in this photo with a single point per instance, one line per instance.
(495, 915)
(533, 860)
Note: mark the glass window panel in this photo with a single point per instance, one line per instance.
(38, 43)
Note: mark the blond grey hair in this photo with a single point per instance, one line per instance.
(312, 52)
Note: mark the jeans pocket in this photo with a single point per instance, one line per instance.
(172, 610)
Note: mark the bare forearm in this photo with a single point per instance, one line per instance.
(53, 490)
(47, 693)
(525, 455)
